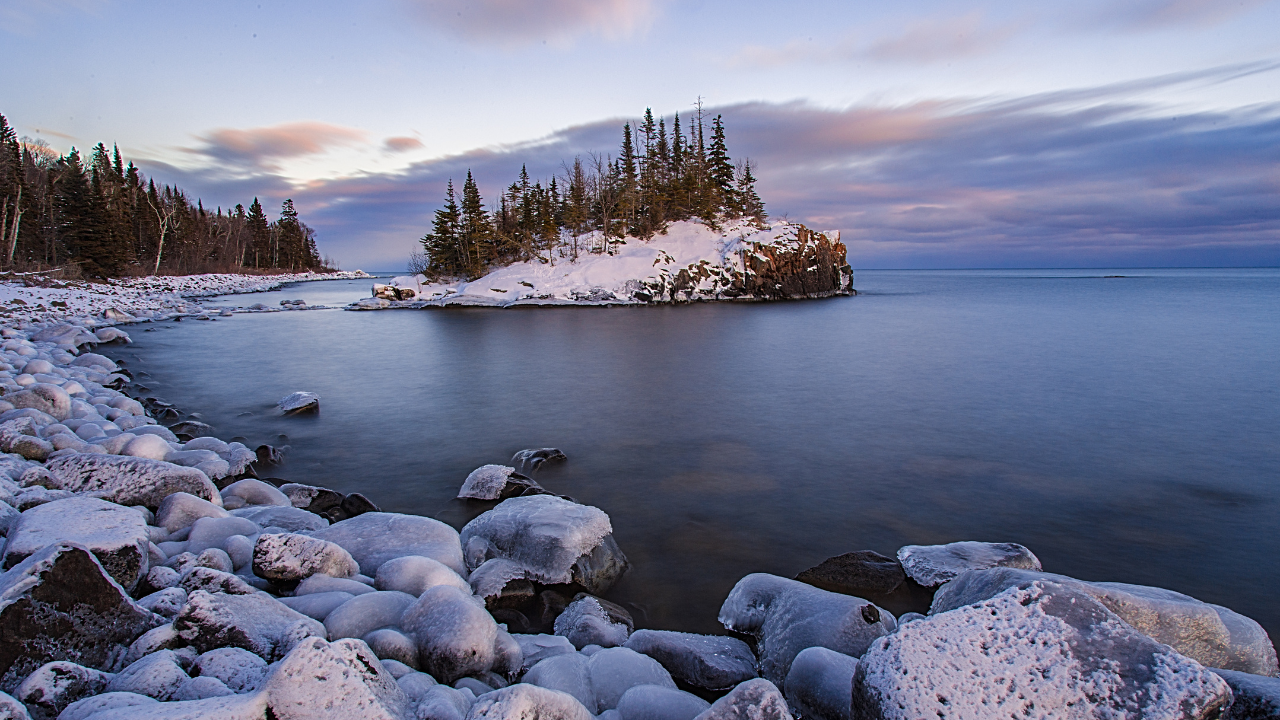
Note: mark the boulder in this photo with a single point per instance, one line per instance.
(153, 640)
(533, 458)
(18, 437)
(527, 702)
(555, 540)
(374, 538)
(286, 518)
(201, 688)
(390, 644)
(256, 492)
(319, 680)
(317, 605)
(325, 583)
(210, 532)
(88, 707)
(456, 637)
(536, 648)
(60, 604)
(363, 614)
(165, 603)
(653, 702)
(1047, 650)
(290, 557)
(181, 509)
(229, 707)
(130, 480)
(787, 616)
(819, 683)
(146, 445)
(258, 623)
(497, 482)
(299, 403)
(1254, 697)
(588, 620)
(756, 699)
(566, 673)
(192, 429)
(116, 535)
(158, 675)
(413, 574)
(857, 573)
(11, 709)
(309, 497)
(710, 662)
(932, 565)
(614, 671)
(47, 398)
(53, 686)
(214, 581)
(240, 670)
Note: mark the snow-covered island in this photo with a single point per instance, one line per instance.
(689, 262)
(149, 574)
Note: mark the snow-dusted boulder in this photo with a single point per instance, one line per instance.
(229, 707)
(496, 482)
(299, 403)
(53, 686)
(787, 616)
(201, 688)
(1254, 697)
(116, 535)
(456, 637)
(1046, 649)
(239, 670)
(18, 437)
(290, 557)
(165, 603)
(111, 335)
(566, 673)
(436, 702)
(256, 492)
(536, 648)
(258, 623)
(286, 518)
(181, 509)
(652, 702)
(819, 682)
(554, 540)
(376, 537)
(326, 583)
(614, 671)
(211, 532)
(390, 644)
(146, 445)
(45, 397)
(206, 461)
(413, 574)
(216, 559)
(711, 662)
(214, 581)
(319, 680)
(86, 708)
(153, 640)
(365, 613)
(527, 702)
(590, 621)
(856, 573)
(60, 604)
(932, 565)
(317, 605)
(11, 709)
(756, 699)
(158, 675)
(130, 480)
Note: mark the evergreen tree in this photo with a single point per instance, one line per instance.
(628, 176)
(259, 235)
(752, 205)
(720, 172)
(79, 220)
(443, 245)
(475, 229)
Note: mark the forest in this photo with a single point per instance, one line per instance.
(96, 217)
(659, 177)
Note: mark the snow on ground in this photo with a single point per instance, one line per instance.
(599, 278)
(126, 299)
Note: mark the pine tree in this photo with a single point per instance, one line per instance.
(752, 205)
(259, 234)
(476, 232)
(720, 172)
(628, 177)
(79, 222)
(443, 246)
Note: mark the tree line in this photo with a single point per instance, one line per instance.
(101, 218)
(659, 177)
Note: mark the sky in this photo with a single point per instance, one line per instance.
(930, 133)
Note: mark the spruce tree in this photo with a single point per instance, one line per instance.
(476, 232)
(78, 218)
(752, 205)
(259, 235)
(442, 245)
(628, 177)
(720, 171)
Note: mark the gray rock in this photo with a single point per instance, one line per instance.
(257, 623)
(11, 709)
(60, 604)
(819, 683)
(216, 559)
(456, 637)
(237, 668)
(213, 532)
(711, 662)
(153, 640)
(652, 702)
(932, 565)
(856, 573)
(1209, 634)
(341, 680)
(365, 613)
(787, 616)
(161, 577)
(82, 709)
(756, 699)
(53, 686)
(46, 398)
(230, 707)
(165, 603)
(497, 482)
(215, 581)
(318, 605)
(291, 557)
(158, 675)
(256, 492)
(200, 688)
(528, 702)
(311, 498)
(130, 480)
(18, 437)
(299, 403)
(588, 620)
(413, 574)
(614, 671)
(376, 537)
(181, 509)
(325, 583)
(1255, 697)
(31, 497)
(1046, 649)
(116, 535)
(286, 518)
(390, 644)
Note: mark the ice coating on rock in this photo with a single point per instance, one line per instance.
(230, 707)
(238, 669)
(116, 535)
(756, 699)
(299, 402)
(292, 557)
(1254, 697)
(319, 680)
(932, 565)
(616, 670)
(820, 684)
(53, 686)
(11, 709)
(83, 709)
(215, 581)
(413, 574)
(256, 492)
(200, 688)
(286, 518)
(555, 540)
(527, 702)
(159, 638)
(363, 614)
(130, 480)
(652, 702)
(567, 673)
(376, 537)
(787, 616)
(181, 509)
(158, 675)
(391, 645)
(166, 602)
(456, 637)
(712, 662)
(586, 622)
(485, 482)
(45, 397)
(325, 583)
(148, 446)
(1046, 649)
(317, 605)
(210, 532)
(258, 623)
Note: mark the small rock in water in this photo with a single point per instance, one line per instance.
(533, 458)
(299, 403)
(192, 428)
(589, 620)
(311, 498)
(497, 482)
(856, 573)
(932, 565)
(268, 455)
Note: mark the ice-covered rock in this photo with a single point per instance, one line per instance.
(60, 604)
(1209, 634)
(437, 702)
(317, 605)
(286, 518)
(376, 537)
(820, 682)
(932, 565)
(158, 675)
(201, 688)
(258, 623)
(237, 668)
(787, 616)
(290, 557)
(153, 640)
(165, 603)
(456, 637)
(325, 583)
(45, 397)
(146, 445)
(533, 458)
(652, 702)
(215, 581)
(88, 707)
(1254, 697)
(557, 541)
(756, 699)
(527, 702)
(111, 334)
(256, 492)
(711, 662)
(211, 532)
(363, 614)
(181, 509)
(370, 303)
(309, 497)
(390, 644)
(240, 549)
(116, 535)
(130, 480)
(298, 403)
(11, 709)
(614, 671)
(496, 482)
(567, 673)
(1046, 649)
(53, 686)
(413, 574)
(18, 437)
(216, 559)
(856, 573)
(536, 648)
(588, 620)
(229, 707)
(342, 680)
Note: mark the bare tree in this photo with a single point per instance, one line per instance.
(164, 216)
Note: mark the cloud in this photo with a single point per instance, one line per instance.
(1159, 14)
(401, 144)
(260, 148)
(28, 18)
(516, 22)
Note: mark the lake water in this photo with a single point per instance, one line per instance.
(1124, 429)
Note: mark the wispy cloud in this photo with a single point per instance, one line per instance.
(1160, 14)
(401, 144)
(518, 22)
(262, 148)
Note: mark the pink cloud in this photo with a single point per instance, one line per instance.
(260, 146)
(521, 21)
(401, 144)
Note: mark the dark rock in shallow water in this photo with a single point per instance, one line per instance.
(1255, 697)
(299, 403)
(858, 573)
(355, 504)
(268, 455)
(59, 604)
(532, 459)
(311, 498)
(192, 429)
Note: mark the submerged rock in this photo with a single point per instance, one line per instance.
(497, 482)
(932, 565)
(130, 480)
(856, 573)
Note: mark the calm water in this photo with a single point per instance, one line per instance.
(1123, 429)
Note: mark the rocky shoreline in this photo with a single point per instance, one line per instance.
(149, 573)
